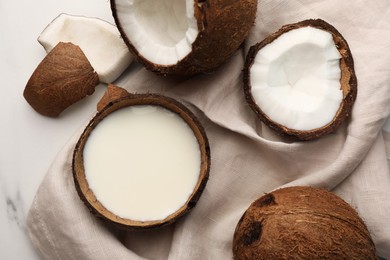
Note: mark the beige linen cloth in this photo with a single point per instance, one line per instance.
(248, 159)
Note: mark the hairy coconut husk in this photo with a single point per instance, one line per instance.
(302, 223)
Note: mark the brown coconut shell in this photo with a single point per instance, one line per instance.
(64, 77)
(112, 93)
(222, 25)
(87, 195)
(301, 223)
(348, 81)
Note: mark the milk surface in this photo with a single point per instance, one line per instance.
(142, 162)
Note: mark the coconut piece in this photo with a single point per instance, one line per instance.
(64, 77)
(183, 37)
(99, 40)
(112, 93)
(300, 81)
(301, 223)
(135, 191)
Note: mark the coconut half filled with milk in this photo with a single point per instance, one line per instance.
(142, 162)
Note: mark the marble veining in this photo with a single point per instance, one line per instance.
(15, 211)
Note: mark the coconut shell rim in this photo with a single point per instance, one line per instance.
(349, 89)
(151, 99)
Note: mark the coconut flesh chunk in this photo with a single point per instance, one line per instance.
(162, 31)
(99, 40)
(295, 79)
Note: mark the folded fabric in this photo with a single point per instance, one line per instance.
(248, 159)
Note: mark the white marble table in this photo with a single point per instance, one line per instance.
(29, 142)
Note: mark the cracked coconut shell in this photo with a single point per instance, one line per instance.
(64, 77)
(348, 82)
(222, 27)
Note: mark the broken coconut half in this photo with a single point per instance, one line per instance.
(183, 37)
(301, 223)
(300, 81)
(98, 39)
(142, 162)
(63, 77)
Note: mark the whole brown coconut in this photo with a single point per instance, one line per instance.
(210, 31)
(115, 99)
(301, 223)
(348, 82)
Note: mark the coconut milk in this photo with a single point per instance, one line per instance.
(142, 162)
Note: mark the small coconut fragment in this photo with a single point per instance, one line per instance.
(301, 223)
(300, 81)
(112, 93)
(142, 162)
(183, 37)
(64, 77)
(99, 40)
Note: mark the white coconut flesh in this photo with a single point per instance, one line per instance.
(142, 162)
(99, 40)
(162, 31)
(296, 79)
